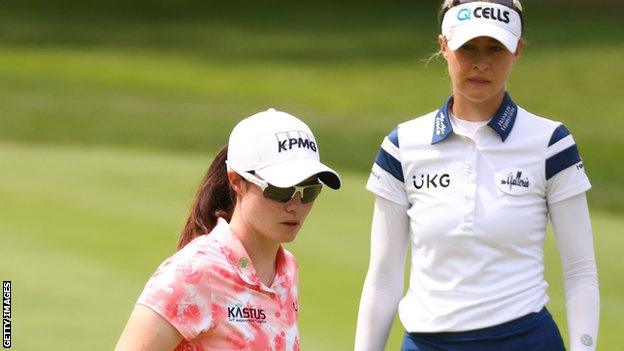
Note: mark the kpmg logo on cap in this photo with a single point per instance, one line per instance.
(464, 14)
(295, 139)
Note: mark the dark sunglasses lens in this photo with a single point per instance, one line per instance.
(279, 194)
(310, 193)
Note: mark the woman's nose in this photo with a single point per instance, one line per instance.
(480, 64)
(294, 201)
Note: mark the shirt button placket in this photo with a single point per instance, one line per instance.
(471, 187)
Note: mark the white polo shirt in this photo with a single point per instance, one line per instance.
(478, 211)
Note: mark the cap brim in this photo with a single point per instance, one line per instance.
(470, 31)
(293, 172)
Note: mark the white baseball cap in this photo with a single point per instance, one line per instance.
(279, 148)
(470, 20)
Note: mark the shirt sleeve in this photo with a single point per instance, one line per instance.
(565, 172)
(386, 178)
(383, 287)
(572, 227)
(180, 292)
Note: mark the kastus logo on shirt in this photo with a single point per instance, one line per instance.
(431, 181)
(516, 180)
(294, 139)
(241, 314)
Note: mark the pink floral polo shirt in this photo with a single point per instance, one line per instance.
(210, 293)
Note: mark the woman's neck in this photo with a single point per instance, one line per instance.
(262, 251)
(468, 110)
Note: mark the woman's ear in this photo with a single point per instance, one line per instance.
(443, 46)
(519, 49)
(236, 182)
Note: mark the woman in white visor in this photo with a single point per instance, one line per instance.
(470, 188)
(231, 285)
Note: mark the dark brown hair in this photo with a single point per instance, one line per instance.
(214, 199)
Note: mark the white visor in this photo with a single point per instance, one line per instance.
(482, 19)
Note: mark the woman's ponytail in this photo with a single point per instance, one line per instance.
(214, 199)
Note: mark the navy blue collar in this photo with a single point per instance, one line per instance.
(502, 123)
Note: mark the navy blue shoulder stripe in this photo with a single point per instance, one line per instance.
(389, 164)
(394, 136)
(561, 161)
(559, 133)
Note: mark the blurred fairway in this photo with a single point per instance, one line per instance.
(176, 77)
(109, 112)
(85, 228)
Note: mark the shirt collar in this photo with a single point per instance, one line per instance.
(238, 258)
(502, 123)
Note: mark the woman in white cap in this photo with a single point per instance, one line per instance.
(471, 186)
(231, 285)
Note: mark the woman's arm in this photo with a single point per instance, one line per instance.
(572, 225)
(147, 330)
(383, 287)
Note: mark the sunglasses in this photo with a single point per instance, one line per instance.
(308, 193)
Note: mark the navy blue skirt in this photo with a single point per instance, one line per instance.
(533, 332)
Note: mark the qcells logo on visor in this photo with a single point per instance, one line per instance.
(491, 13)
(294, 139)
(464, 14)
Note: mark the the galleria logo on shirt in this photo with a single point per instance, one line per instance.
(241, 314)
(513, 181)
(516, 180)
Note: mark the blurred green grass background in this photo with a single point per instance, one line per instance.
(109, 112)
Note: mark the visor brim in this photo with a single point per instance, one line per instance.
(467, 32)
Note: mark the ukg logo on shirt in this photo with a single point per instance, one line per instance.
(431, 181)
(241, 314)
